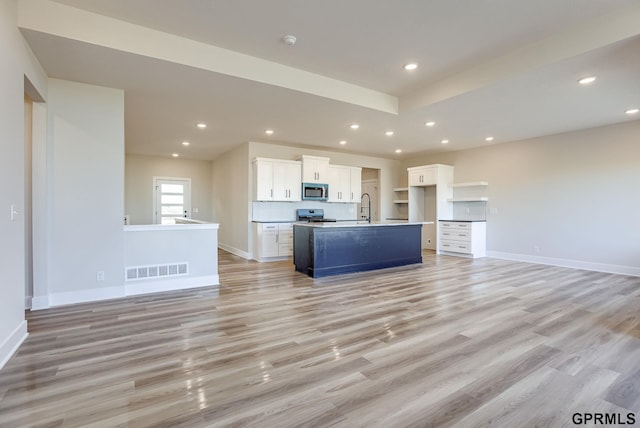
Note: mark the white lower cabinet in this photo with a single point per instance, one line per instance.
(272, 241)
(465, 238)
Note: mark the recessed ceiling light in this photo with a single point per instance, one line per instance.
(185, 143)
(201, 125)
(175, 155)
(410, 66)
(445, 141)
(488, 139)
(430, 124)
(388, 133)
(269, 132)
(587, 80)
(354, 126)
(398, 150)
(343, 142)
(632, 111)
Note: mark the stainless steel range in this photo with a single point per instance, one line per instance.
(313, 215)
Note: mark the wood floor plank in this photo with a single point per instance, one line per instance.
(450, 342)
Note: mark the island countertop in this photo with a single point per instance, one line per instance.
(337, 224)
(322, 249)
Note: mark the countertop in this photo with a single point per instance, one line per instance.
(360, 224)
(467, 221)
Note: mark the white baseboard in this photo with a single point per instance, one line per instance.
(147, 287)
(27, 302)
(39, 302)
(135, 288)
(88, 295)
(576, 264)
(235, 251)
(13, 342)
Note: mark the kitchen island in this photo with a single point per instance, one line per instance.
(323, 249)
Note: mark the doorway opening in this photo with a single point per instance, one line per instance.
(370, 185)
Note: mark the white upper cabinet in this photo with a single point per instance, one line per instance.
(286, 181)
(277, 180)
(423, 175)
(345, 183)
(356, 184)
(314, 169)
(263, 179)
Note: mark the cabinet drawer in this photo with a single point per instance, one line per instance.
(455, 246)
(269, 227)
(285, 249)
(453, 234)
(285, 227)
(285, 237)
(455, 225)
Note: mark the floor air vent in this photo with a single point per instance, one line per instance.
(134, 273)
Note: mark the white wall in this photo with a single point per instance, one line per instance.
(575, 197)
(139, 173)
(17, 63)
(195, 244)
(86, 188)
(230, 177)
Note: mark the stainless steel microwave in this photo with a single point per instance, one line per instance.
(315, 192)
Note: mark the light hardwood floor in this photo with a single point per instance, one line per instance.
(451, 342)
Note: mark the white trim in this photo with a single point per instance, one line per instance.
(152, 227)
(13, 342)
(88, 295)
(576, 264)
(170, 285)
(106, 293)
(235, 251)
(39, 302)
(27, 302)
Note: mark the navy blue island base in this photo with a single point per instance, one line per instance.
(330, 249)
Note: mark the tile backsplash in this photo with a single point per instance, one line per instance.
(286, 211)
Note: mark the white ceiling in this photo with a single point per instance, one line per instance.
(496, 67)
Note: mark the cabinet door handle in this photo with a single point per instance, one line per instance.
(272, 193)
(277, 240)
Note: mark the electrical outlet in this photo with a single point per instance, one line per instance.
(536, 249)
(100, 275)
(493, 210)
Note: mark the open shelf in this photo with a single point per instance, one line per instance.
(401, 201)
(401, 189)
(471, 184)
(478, 199)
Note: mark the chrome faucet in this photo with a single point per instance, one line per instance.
(368, 208)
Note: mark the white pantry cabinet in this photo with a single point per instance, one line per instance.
(277, 180)
(345, 183)
(314, 169)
